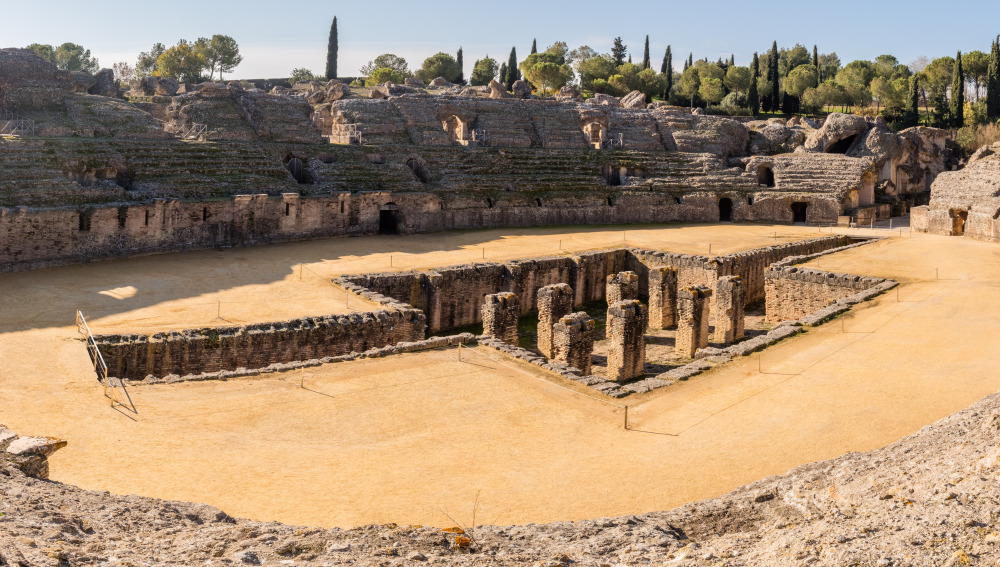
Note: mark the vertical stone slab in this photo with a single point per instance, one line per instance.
(729, 309)
(623, 286)
(573, 341)
(692, 320)
(500, 314)
(626, 322)
(662, 298)
(554, 301)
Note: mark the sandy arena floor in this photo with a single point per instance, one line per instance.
(414, 439)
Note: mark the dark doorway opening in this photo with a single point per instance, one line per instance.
(726, 209)
(765, 176)
(388, 223)
(958, 220)
(841, 147)
(418, 170)
(799, 212)
(612, 175)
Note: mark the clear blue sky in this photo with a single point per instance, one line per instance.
(276, 37)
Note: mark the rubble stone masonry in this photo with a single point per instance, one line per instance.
(662, 298)
(626, 323)
(692, 320)
(794, 292)
(501, 312)
(554, 301)
(573, 341)
(622, 286)
(729, 309)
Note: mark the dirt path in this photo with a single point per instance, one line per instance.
(407, 439)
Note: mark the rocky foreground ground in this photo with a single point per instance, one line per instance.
(929, 499)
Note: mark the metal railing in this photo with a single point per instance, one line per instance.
(14, 125)
(613, 142)
(192, 131)
(101, 368)
(480, 137)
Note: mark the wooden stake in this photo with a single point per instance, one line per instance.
(626, 418)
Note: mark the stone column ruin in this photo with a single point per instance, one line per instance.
(622, 286)
(573, 341)
(662, 298)
(692, 319)
(501, 312)
(729, 309)
(554, 301)
(627, 353)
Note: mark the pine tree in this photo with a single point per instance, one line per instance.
(534, 46)
(645, 55)
(512, 73)
(772, 75)
(993, 83)
(618, 51)
(461, 69)
(957, 106)
(753, 100)
(668, 63)
(331, 52)
(503, 74)
(912, 117)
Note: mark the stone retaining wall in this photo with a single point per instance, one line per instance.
(794, 292)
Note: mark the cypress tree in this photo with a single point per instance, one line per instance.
(912, 117)
(816, 65)
(645, 55)
(753, 100)
(690, 59)
(993, 83)
(461, 68)
(663, 66)
(668, 61)
(629, 58)
(772, 75)
(732, 59)
(957, 106)
(534, 46)
(331, 52)
(503, 73)
(512, 73)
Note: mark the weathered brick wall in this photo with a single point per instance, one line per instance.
(626, 325)
(692, 319)
(554, 302)
(257, 346)
(794, 292)
(501, 312)
(622, 286)
(573, 341)
(662, 289)
(729, 309)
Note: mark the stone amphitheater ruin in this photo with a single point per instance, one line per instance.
(599, 309)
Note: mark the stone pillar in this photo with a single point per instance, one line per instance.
(500, 314)
(554, 301)
(622, 286)
(573, 341)
(729, 310)
(662, 298)
(627, 353)
(692, 320)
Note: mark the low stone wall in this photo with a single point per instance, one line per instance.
(257, 346)
(794, 292)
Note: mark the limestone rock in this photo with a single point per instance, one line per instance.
(337, 91)
(521, 89)
(723, 137)
(983, 152)
(441, 82)
(29, 82)
(837, 128)
(569, 94)
(82, 81)
(634, 99)
(44, 446)
(167, 86)
(770, 138)
(105, 84)
(497, 90)
(6, 437)
(377, 94)
(413, 82)
(698, 112)
(605, 100)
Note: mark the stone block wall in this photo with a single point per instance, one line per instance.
(622, 286)
(257, 346)
(501, 312)
(626, 324)
(729, 312)
(794, 292)
(573, 341)
(692, 320)
(554, 302)
(662, 287)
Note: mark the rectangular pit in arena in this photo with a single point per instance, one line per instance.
(444, 300)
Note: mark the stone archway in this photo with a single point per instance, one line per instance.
(765, 176)
(799, 211)
(725, 209)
